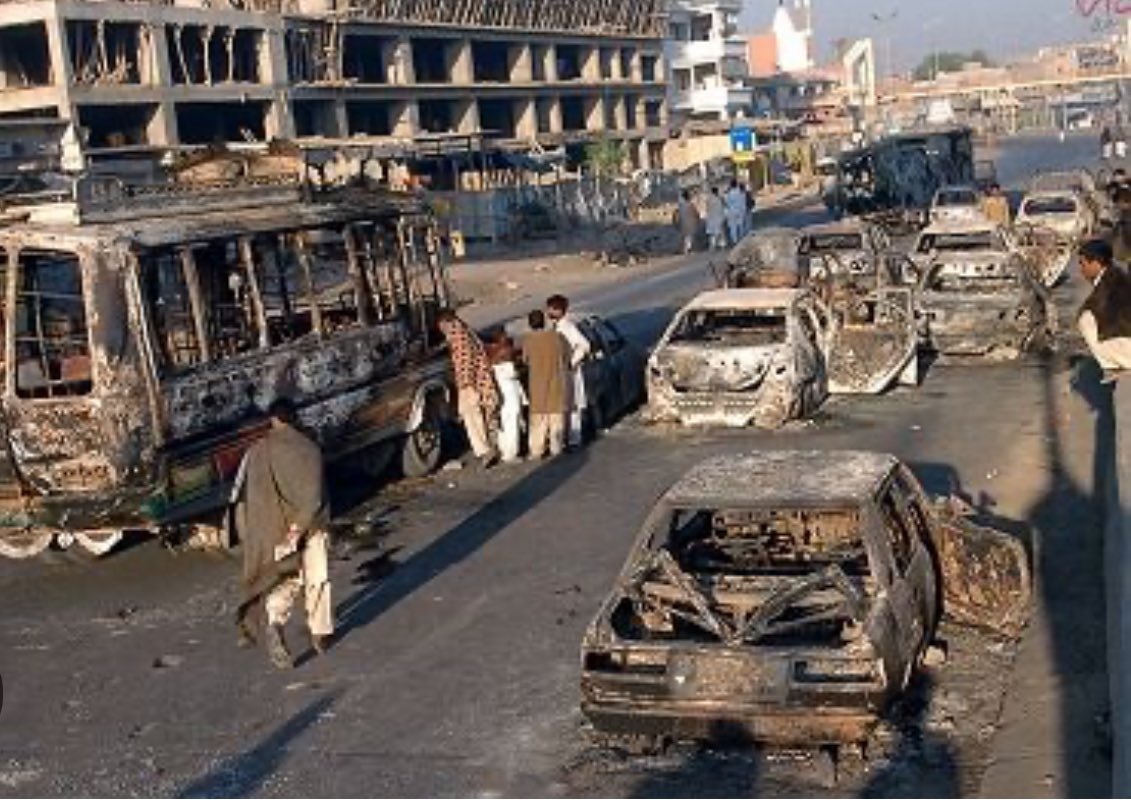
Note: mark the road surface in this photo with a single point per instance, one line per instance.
(462, 601)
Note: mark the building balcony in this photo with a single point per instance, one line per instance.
(722, 99)
(688, 54)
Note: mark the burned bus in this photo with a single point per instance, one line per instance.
(896, 178)
(147, 329)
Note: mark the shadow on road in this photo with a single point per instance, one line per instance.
(242, 775)
(923, 763)
(458, 544)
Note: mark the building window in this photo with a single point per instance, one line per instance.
(52, 344)
(648, 67)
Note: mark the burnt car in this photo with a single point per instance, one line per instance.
(767, 258)
(1062, 211)
(740, 357)
(977, 295)
(1083, 184)
(852, 249)
(956, 205)
(787, 598)
(614, 373)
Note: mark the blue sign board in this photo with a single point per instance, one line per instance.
(742, 140)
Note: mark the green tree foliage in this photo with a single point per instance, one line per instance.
(605, 157)
(949, 61)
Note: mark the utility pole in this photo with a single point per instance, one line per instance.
(884, 22)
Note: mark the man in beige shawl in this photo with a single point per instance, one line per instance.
(282, 513)
(547, 355)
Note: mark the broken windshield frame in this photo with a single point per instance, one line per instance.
(733, 327)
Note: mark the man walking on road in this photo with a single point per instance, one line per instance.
(547, 359)
(557, 310)
(688, 222)
(716, 221)
(736, 212)
(282, 513)
(475, 385)
(1105, 318)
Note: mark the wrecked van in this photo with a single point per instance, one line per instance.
(740, 357)
(787, 598)
(146, 329)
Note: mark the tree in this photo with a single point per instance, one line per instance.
(605, 158)
(949, 61)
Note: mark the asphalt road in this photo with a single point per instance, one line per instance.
(463, 599)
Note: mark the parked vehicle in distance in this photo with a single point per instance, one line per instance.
(956, 205)
(1063, 212)
(740, 357)
(788, 598)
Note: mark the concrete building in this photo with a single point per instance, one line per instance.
(170, 72)
(793, 33)
(707, 59)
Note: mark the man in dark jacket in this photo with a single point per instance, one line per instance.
(1105, 318)
(282, 513)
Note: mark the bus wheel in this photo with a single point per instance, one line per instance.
(99, 542)
(24, 545)
(424, 447)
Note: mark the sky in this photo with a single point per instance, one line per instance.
(1003, 28)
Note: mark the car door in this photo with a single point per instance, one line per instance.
(626, 364)
(906, 593)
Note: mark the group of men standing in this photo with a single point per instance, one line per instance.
(498, 379)
(728, 217)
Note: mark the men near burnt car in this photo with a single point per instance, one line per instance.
(547, 356)
(478, 396)
(995, 206)
(282, 513)
(1105, 318)
(557, 310)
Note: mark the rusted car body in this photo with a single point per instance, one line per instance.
(956, 205)
(1063, 212)
(767, 258)
(740, 357)
(785, 598)
(146, 331)
(852, 249)
(976, 294)
(872, 339)
(867, 326)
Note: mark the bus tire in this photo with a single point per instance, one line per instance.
(423, 447)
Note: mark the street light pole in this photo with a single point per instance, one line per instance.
(884, 21)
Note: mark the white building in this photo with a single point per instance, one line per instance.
(707, 59)
(793, 32)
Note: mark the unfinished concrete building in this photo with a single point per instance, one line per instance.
(190, 72)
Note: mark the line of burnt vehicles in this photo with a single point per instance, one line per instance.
(788, 598)
(841, 308)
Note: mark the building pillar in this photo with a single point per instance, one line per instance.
(407, 122)
(396, 56)
(620, 112)
(556, 125)
(595, 113)
(467, 113)
(62, 76)
(526, 119)
(522, 64)
(550, 64)
(637, 71)
(162, 127)
(462, 64)
(591, 65)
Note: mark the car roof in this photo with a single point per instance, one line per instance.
(751, 298)
(784, 478)
(844, 226)
(961, 227)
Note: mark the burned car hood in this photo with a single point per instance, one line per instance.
(734, 369)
